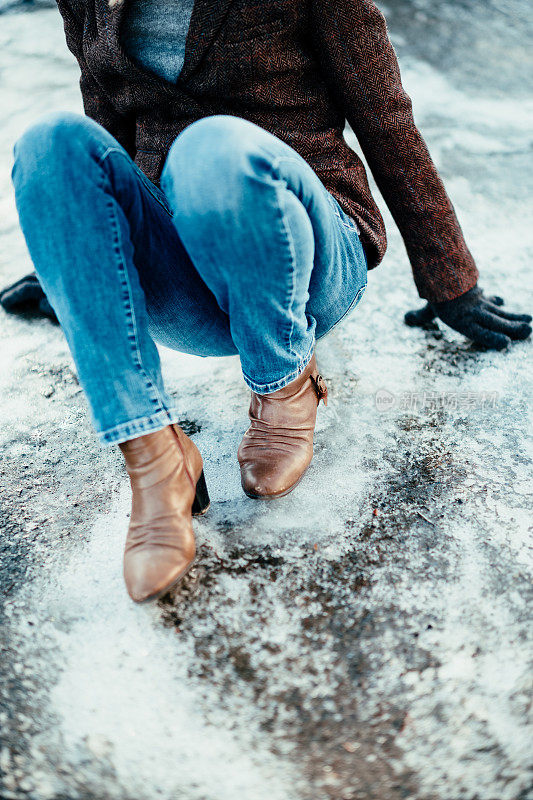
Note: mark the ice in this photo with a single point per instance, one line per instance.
(365, 637)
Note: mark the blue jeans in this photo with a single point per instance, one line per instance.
(242, 251)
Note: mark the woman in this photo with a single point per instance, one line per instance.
(208, 201)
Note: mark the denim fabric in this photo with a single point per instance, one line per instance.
(242, 251)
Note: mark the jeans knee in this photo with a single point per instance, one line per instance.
(211, 160)
(51, 133)
(51, 139)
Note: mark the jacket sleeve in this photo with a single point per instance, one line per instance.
(359, 61)
(95, 103)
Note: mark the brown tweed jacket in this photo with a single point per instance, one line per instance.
(300, 69)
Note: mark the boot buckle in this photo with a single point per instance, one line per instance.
(320, 388)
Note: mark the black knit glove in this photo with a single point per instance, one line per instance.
(478, 317)
(26, 296)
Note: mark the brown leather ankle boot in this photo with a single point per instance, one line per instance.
(168, 486)
(277, 448)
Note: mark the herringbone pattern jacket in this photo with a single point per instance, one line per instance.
(298, 68)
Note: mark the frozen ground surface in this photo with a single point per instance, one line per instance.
(319, 650)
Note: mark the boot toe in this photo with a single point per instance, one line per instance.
(149, 575)
(266, 480)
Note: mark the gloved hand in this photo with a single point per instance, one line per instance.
(26, 295)
(478, 317)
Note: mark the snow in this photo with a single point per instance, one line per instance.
(318, 650)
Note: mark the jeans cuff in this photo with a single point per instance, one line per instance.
(137, 427)
(281, 383)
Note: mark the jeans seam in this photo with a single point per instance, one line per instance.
(128, 301)
(275, 167)
(352, 305)
(146, 182)
(349, 226)
(292, 253)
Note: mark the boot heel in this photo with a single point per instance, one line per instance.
(201, 500)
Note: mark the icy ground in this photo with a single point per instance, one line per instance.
(367, 637)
